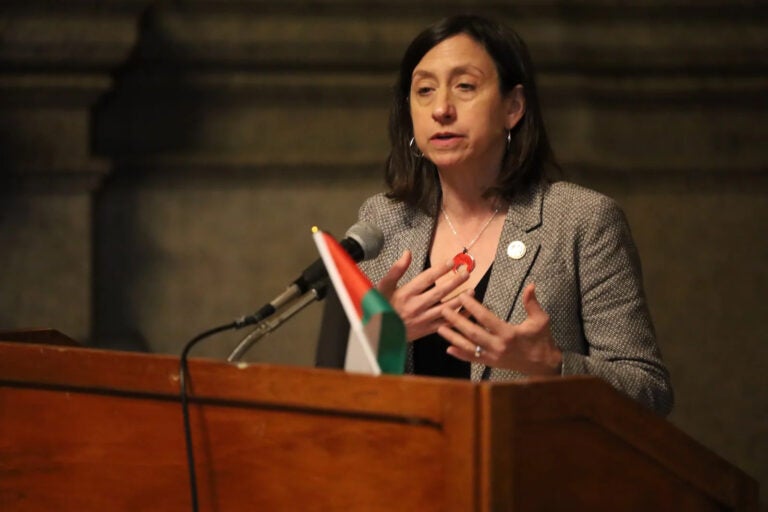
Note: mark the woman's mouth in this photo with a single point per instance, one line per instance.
(444, 139)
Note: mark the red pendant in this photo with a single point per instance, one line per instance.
(463, 259)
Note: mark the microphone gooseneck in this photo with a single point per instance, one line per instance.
(266, 326)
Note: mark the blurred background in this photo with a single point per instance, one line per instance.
(162, 162)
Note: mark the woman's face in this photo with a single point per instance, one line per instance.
(460, 119)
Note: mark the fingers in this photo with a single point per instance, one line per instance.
(423, 318)
(455, 303)
(423, 281)
(530, 303)
(442, 290)
(527, 347)
(424, 291)
(465, 349)
(388, 283)
(420, 301)
(471, 327)
(429, 277)
(533, 309)
(482, 315)
(463, 333)
(434, 315)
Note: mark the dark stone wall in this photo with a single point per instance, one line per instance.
(161, 164)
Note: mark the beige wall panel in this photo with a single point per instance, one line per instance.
(689, 138)
(181, 258)
(45, 262)
(704, 249)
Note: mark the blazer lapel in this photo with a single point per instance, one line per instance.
(417, 239)
(510, 271)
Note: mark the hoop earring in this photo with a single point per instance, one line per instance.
(415, 152)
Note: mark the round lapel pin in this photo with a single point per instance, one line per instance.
(516, 250)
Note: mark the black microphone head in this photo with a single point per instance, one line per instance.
(370, 238)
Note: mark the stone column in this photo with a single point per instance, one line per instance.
(56, 60)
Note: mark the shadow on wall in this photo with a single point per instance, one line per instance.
(151, 113)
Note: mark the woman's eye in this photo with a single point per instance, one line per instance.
(422, 91)
(466, 87)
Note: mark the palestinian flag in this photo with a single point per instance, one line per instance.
(377, 335)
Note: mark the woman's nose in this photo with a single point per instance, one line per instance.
(444, 110)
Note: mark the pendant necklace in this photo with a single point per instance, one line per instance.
(464, 258)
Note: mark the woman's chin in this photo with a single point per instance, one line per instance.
(446, 162)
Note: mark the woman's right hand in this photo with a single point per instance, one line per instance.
(420, 302)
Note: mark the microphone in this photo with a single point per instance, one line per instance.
(363, 242)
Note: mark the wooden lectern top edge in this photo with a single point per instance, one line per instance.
(135, 374)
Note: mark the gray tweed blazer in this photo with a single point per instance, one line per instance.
(581, 256)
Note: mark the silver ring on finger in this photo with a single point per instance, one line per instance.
(478, 351)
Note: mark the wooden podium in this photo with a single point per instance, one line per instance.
(95, 430)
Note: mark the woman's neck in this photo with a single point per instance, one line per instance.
(465, 194)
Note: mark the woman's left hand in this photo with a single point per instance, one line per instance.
(527, 347)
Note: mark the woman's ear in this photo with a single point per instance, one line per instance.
(515, 106)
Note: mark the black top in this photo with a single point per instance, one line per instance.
(429, 356)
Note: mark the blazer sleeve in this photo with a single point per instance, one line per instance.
(616, 323)
(381, 212)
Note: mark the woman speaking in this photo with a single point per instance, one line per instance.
(498, 271)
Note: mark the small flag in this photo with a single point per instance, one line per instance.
(377, 334)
